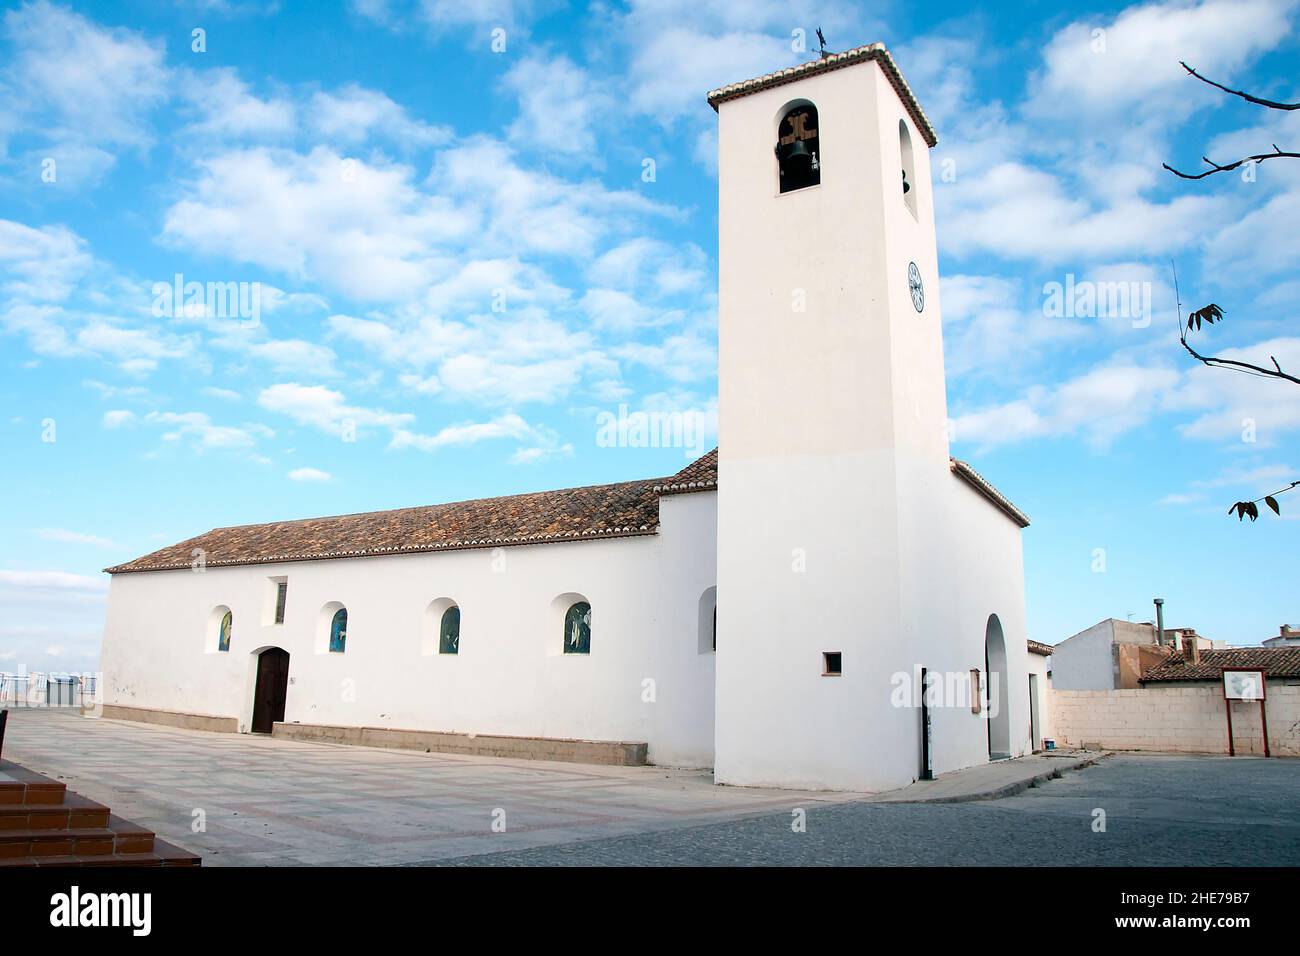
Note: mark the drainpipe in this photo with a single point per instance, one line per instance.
(1160, 621)
(927, 768)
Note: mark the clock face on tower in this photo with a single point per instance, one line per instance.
(914, 284)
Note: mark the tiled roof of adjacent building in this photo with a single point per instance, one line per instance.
(1039, 648)
(699, 475)
(623, 509)
(834, 61)
(985, 487)
(1274, 661)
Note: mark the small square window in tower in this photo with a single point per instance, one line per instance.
(831, 664)
(798, 148)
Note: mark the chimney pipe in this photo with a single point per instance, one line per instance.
(1160, 621)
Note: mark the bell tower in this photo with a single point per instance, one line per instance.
(832, 422)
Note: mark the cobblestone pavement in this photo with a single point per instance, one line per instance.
(1159, 811)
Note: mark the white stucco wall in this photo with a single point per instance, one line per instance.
(1086, 660)
(1038, 667)
(510, 676)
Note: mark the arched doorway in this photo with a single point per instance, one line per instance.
(995, 669)
(271, 689)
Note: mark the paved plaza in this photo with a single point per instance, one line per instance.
(286, 802)
(281, 802)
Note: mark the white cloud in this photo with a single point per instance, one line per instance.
(205, 435)
(363, 228)
(380, 11)
(494, 382)
(294, 355)
(1236, 407)
(421, 386)
(558, 105)
(507, 426)
(680, 49)
(1263, 241)
(682, 358)
(354, 114)
(1098, 405)
(78, 88)
(326, 409)
(66, 615)
(500, 359)
(533, 211)
(41, 264)
(55, 581)
(1177, 499)
(613, 309)
(138, 350)
(117, 418)
(227, 108)
(653, 266)
(225, 394)
(445, 15)
(1137, 66)
(426, 339)
(309, 474)
(1053, 223)
(531, 456)
(1120, 395)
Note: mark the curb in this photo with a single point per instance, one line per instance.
(1010, 789)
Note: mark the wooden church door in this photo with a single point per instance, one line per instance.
(272, 688)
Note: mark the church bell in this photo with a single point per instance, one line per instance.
(798, 158)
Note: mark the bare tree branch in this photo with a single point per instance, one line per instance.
(1250, 509)
(1212, 361)
(1209, 315)
(1216, 168)
(1271, 104)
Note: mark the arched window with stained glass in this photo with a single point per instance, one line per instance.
(339, 631)
(223, 634)
(449, 631)
(577, 629)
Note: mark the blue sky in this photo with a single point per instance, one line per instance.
(461, 264)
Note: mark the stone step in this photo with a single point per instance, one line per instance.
(119, 836)
(44, 824)
(20, 785)
(75, 811)
(163, 854)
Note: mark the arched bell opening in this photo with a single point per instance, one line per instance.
(798, 147)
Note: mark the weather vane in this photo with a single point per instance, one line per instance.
(822, 40)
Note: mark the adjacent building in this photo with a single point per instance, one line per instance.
(1285, 637)
(1113, 654)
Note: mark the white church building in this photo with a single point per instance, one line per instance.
(851, 553)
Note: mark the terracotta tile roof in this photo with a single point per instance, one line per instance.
(1275, 662)
(835, 61)
(624, 509)
(1039, 648)
(699, 475)
(984, 487)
